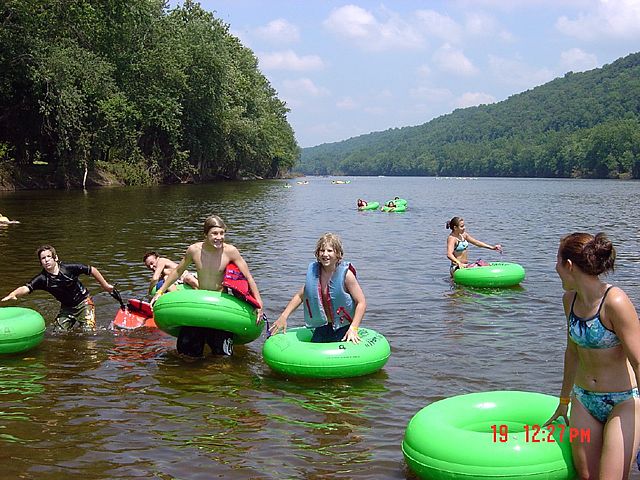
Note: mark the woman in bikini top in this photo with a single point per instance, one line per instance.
(458, 242)
(601, 359)
(591, 332)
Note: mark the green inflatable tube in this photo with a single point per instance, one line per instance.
(370, 206)
(21, 329)
(398, 209)
(292, 353)
(497, 274)
(489, 435)
(204, 308)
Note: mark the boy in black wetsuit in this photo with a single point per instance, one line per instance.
(61, 281)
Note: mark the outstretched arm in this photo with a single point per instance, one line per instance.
(281, 322)
(107, 287)
(18, 292)
(478, 243)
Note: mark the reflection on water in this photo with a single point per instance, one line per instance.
(21, 380)
(325, 422)
(124, 405)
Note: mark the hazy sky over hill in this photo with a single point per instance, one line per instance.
(345, 69)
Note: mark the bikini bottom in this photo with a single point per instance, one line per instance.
(600, 404)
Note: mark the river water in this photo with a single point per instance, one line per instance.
(115, 405)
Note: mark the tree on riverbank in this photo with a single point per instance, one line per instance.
(145, 93)
(581, 125)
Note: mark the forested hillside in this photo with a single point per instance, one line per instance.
(582, 125)
(145, 93)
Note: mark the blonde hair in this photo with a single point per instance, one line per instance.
(330, 240)
(213, 221)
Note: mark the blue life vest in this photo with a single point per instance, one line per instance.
(341, 303)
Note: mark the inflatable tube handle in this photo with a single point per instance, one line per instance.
(266, 321)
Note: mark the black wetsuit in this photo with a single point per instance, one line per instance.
(65, 286)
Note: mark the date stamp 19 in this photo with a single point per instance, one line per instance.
(550, 434)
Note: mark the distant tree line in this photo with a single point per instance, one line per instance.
(582, 125)
(136, 89)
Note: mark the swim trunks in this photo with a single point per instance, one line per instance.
(191, 341)
(83, 314)
(326, 334)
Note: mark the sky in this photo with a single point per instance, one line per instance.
(349, 68)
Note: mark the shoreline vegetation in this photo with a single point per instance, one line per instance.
(581, 125)
(137, 93)
(132, 93)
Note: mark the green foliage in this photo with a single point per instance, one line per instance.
(130, 173)
(4, 152)
(137, 89)
(581, 125)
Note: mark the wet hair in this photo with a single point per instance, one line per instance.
(42, 248)
(454, 222)
(149, 254)
(331, 240)
(593, 255)
(213, 221)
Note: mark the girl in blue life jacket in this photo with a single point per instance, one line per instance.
(334, 303)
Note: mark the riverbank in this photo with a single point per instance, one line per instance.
(41, 177)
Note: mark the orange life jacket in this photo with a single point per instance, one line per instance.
(235, 281)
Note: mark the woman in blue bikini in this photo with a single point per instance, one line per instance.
(457, 243)
(601, 361)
